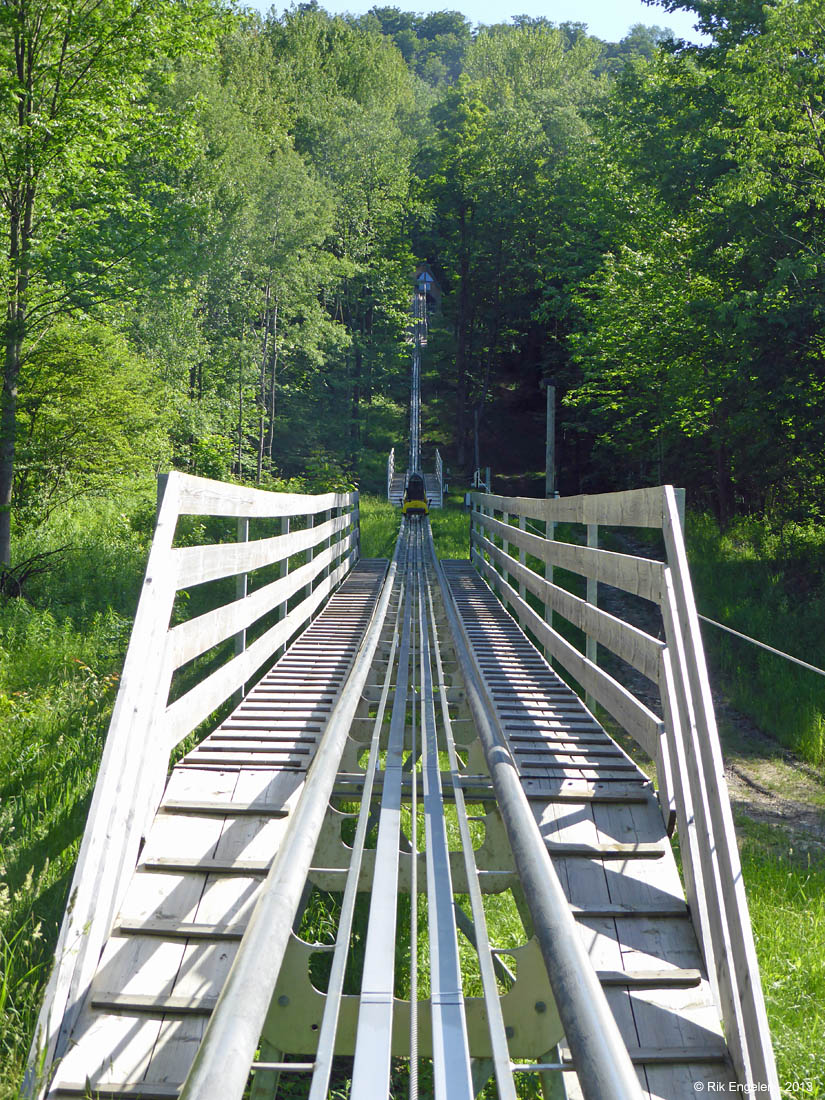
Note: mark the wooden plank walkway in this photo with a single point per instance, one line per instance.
(605, 831)
(224, 812)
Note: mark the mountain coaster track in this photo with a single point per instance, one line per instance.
(414, 696)
(405, 747)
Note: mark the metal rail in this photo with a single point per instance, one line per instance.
(763, 645)
(599, 1053)
(405, 756)
(451, 1058)
(390, 471)
(685, 744)
(371, 1070)
(329, 1025)
(415, 411)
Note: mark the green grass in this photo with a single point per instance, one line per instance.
(451, 527)
(786, 897)
(380, 521)
(60, 655)
(769, 584)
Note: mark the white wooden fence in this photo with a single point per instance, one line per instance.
(439, 477)
(683, 742)
(322, 532)
(390, 471)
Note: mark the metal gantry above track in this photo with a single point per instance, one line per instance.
(409, 862)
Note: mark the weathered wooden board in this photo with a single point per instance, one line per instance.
(198, 496)
(640, 722)
(631, 508)
(628, 642)
(196, 636)
(198, 564)
(146, 978)
(620, 903)
(187, 712)
(641, 576)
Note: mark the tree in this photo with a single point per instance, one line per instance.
(73, 95)
(701, 345)
(89, 417)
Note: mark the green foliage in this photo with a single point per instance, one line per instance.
(60, 657)
(433, 45)
(380, 521)
(700, 347)
(766, 581)
(89, 418)
(785, 882)
(451, 528)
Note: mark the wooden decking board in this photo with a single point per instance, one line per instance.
(605, 851)
(220, 823)
(244, 733)
(179, 930)
(651, 979)
(155, 1006)
(624, 912)
(653, 973)
(134, 1090)
(671, 1055)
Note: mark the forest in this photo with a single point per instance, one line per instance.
(210, 222)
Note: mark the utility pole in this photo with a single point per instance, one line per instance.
(550, 451)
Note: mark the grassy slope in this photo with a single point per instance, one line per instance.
(786, 897)
(60, 656)
(769, 585)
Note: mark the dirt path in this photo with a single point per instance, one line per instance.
(768, 783)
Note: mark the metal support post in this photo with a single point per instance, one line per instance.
(599, 1053)
(522, 557)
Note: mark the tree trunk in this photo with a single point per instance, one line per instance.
(20, 233)
(273, 382)
(462, 325)
(8, 429)
(723, 485)
(355, 426)
(262, 387)
(240, 402)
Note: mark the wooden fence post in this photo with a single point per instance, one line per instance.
(591, 647)
(241, 588)
(522, 556)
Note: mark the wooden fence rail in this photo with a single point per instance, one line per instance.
(323, 533)
(683, 742)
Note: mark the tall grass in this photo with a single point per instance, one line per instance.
(451, 527)
(786, 898)
(380, 521)
(768, 583)
(61, 650)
